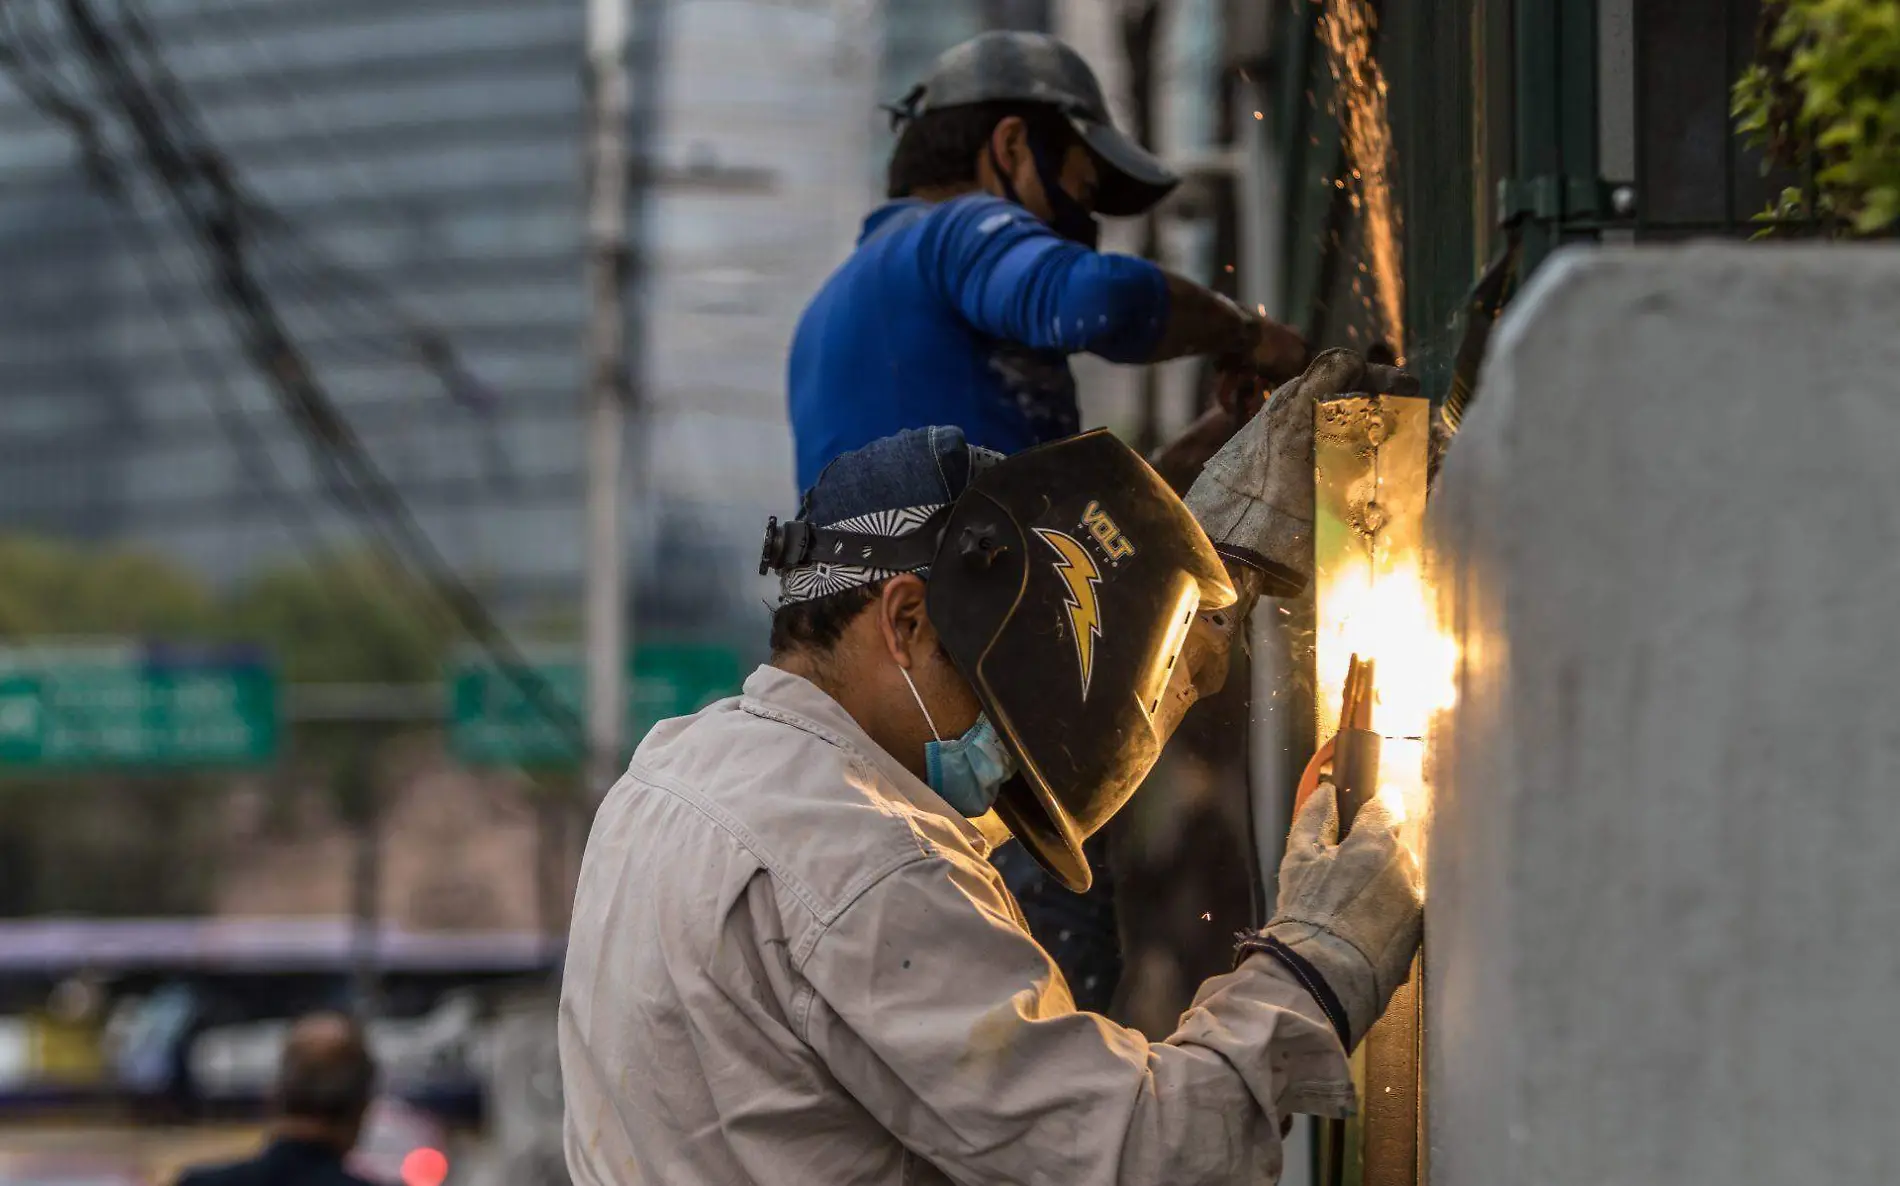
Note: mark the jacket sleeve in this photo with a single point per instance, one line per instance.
(1013, 278)
(946, 1021)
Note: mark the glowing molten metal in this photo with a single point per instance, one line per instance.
(1371, 592)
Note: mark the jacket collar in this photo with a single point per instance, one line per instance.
(877, 219)
(285, 1152)
(793, 696)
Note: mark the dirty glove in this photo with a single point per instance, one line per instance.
(1350, 913)
(1254, 498)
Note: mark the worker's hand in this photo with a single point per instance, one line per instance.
(1254, 497)
(1179, 461)
(1352, 910)
(1280, 353)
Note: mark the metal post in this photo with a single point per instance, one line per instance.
(359, 780)
(1556, 101)
(366, 893)
(605, 602)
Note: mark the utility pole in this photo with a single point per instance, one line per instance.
(605, 613)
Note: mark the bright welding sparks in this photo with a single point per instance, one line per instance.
(1388, 615)
(1359, 93)
(1374, 598)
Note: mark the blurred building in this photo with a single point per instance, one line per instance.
(426, 160)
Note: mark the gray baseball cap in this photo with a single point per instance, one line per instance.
(1038, 68)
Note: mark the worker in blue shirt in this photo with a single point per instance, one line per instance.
(966, 294)
(970, 288)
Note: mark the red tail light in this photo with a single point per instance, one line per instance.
(424, 1167)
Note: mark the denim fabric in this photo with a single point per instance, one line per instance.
(914, 468)
(1079, 931)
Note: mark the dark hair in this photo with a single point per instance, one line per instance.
(940, 148)
(818, 624)
(329, 1082)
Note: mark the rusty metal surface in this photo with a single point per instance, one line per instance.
(1370, 485)
(1369, 455)
(1389, 1125)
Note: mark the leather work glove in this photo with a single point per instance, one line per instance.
(1254, 497)
(1350, 913)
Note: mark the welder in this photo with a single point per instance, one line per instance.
(790, 960)
(970, 288)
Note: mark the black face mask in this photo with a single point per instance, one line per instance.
(1068, 217)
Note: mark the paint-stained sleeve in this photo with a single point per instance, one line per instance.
(1013, 278)
(952, 1027)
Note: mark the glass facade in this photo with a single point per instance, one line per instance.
(432, 151)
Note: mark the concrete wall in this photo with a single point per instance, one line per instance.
(1664, 921)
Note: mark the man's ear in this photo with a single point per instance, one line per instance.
(1009, 142)
(902, 623)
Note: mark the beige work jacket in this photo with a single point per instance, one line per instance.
(791, 963)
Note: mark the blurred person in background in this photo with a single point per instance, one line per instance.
(324, 1087)
(965, 296)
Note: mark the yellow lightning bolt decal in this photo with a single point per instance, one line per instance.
(1079, 573)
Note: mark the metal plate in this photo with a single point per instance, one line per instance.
(1370, 457)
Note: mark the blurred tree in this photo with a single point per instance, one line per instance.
(345, 618)
(136, 843)
(350, 618)
(53, 588)
(132, 843)
(95, 843)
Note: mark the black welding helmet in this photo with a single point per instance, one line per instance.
(1062, 582)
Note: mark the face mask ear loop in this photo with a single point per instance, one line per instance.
(1002, 176)
(1050, 176)
(920, 705)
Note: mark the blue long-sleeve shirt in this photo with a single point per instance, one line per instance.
(962, 312)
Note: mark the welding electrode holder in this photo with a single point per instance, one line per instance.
(1356, 747)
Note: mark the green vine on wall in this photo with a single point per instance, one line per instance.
(1823, 99)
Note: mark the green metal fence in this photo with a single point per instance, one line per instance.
(1498, 112)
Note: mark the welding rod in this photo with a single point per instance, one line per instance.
(1356, 748)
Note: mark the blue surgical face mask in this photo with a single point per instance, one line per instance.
(968, 772)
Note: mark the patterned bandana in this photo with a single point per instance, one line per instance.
(888, 487)
(811, 581)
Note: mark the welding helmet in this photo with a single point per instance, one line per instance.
(1062, 582)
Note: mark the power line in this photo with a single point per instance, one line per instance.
(203, 189)
(34, 59)
(29, 59)
(227, 409)
(428, 344)
(234, 20)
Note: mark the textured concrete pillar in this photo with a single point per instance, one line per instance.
(1664, 918)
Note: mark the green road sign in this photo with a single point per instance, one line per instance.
(492, 724)
(129, 704)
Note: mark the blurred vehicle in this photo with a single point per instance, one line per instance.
(177, 999)
(51, 1049)
(525, 1102)
(68, 1171)
(433, 1058)
(402, 1146)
